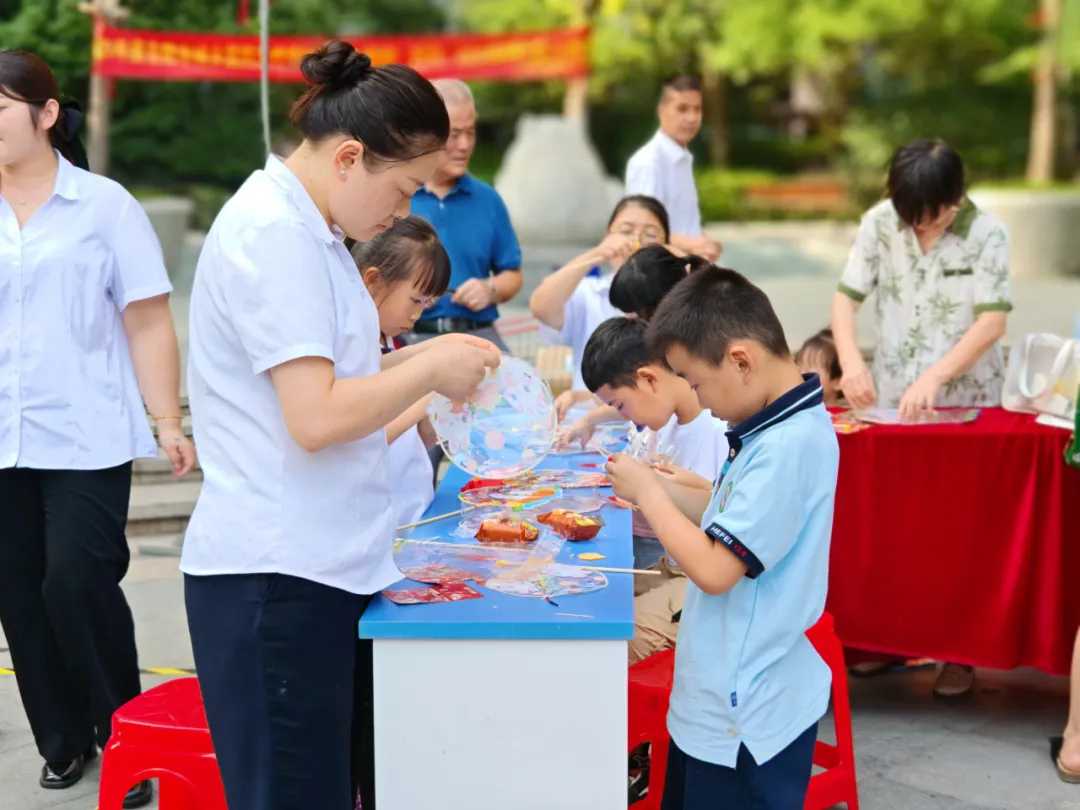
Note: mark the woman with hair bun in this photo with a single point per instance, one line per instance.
(86, 346)
(290, 394)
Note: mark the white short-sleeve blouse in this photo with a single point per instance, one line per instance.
(274, 284)
(69, 398)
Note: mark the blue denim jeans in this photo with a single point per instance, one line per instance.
(647, 552)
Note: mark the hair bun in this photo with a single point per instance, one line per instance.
(336, 64)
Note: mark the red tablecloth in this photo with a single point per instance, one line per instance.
(958, 542)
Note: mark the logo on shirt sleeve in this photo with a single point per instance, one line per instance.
(727, 494)
(736, 547)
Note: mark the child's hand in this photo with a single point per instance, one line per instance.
(682, 477)
(616, 246)
(630, 478)
(581, 431)
(563, 403)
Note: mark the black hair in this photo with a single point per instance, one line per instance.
(647, 276)
(709, 310)
(650, 204)
(614, 353)
(409, 250)
(680, 83)
(26, 77)
(823, 345)
(925, 176)
(394, 111)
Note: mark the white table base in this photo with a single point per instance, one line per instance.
(500, 724)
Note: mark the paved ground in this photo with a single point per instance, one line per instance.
(913, 753)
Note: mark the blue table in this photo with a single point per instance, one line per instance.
(505, 702)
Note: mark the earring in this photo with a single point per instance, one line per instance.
(342, 172)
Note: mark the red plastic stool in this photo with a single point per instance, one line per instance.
(836, 784)
(163, 734)
(650, 691)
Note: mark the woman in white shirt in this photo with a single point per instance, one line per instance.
(290, 395)
(573, 301)
(85, 336)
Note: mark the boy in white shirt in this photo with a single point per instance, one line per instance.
(617, 368)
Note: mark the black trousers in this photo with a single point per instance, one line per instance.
(63, 553)
(276, 657)
(779, 784)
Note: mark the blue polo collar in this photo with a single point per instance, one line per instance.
(808, 394)
(464, 185)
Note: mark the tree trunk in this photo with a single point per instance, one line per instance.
(97, 126)
(576, 99)
(1041, 149)
(97, 116)
(714, 96)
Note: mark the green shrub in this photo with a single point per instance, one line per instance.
(208, 201)
(485, 162)
(722, 195)
(722, 192)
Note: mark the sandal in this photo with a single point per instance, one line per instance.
(954, 681)
(1064, 774)
(868, 669)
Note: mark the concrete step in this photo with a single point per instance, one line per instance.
(157, 545)
(161, 508)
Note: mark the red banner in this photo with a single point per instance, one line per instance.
(129, 54)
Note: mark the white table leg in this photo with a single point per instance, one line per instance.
(500, 724)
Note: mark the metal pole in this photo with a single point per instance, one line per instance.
(102, 12)
(264, 48)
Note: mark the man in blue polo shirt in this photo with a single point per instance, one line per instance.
(474, 227)
(749, 687)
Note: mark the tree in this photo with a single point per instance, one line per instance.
(169, 133)
(635, 42)
(1052, 51)
(1040, 167)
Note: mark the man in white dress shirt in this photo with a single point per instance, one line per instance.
(664, 168)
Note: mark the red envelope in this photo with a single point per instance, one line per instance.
(457, 591)
(437, 573)
(414, 596)
(454, 592)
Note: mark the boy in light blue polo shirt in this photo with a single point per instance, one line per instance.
(749, 687)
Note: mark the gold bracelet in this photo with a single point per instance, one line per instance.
(159, 418)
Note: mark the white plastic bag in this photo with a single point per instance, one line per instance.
(1043, 376)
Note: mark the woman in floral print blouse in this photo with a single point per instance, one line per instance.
(940, 267)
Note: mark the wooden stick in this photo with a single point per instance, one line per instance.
(648, 572)
(437, 518)
(438, 543)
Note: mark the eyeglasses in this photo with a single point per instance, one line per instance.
(646, 236)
